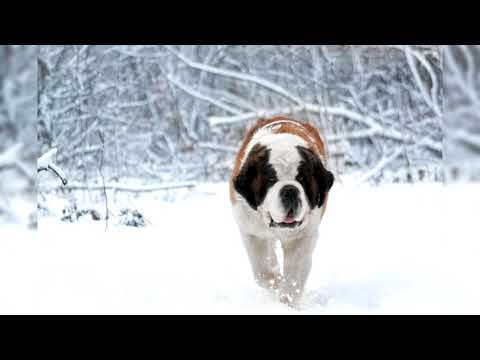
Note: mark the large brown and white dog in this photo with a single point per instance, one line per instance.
(279, 189)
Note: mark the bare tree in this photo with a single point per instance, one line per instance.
(177, 113)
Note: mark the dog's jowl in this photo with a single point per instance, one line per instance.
(279, 190)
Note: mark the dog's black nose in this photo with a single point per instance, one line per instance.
(289, 196)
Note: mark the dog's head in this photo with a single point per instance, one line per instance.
(284, 181)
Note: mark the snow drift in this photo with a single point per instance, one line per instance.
(398, 249)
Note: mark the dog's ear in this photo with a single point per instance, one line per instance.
(325, 180)
(314, 177)
(243, 183)
(255, 176)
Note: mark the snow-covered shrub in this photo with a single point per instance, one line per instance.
(129, 217)
(72, 213)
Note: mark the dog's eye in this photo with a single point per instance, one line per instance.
(300, 178)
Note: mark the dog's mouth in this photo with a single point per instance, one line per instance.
(289, 222)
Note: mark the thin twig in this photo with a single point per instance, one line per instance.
(100, 169)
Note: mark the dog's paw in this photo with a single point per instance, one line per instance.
(269, 281)
(285, 298)
(289, 300)
(290, 295)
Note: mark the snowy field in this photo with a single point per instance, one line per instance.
(398, 249)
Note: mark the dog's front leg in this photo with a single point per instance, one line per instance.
(263, 260)
(296, 268)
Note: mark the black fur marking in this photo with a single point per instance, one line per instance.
(289, 196)
(256, 176)
(314, 178)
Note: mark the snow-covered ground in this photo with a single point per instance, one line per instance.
(397, 249)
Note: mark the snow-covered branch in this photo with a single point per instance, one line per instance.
(431, 98)
(350, 114)
(236, 75)
(203, 97)
(379, 166)
(133, 189)
(46, 163)
(464, 79)
(217, 147)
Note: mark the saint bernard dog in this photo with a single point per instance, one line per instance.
(278, 190)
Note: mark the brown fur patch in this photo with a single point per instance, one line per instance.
(256, 176)
(299, 128)
(302, 129)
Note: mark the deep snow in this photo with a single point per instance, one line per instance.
(396, 249)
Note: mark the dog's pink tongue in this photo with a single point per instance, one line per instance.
(289, 219)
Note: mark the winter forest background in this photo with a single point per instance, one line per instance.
(173, 116)
(143, 139)
(178, 113)
(18, 134)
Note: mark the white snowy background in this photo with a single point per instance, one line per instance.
(150, 132)
(18, 135)
(395, 249)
